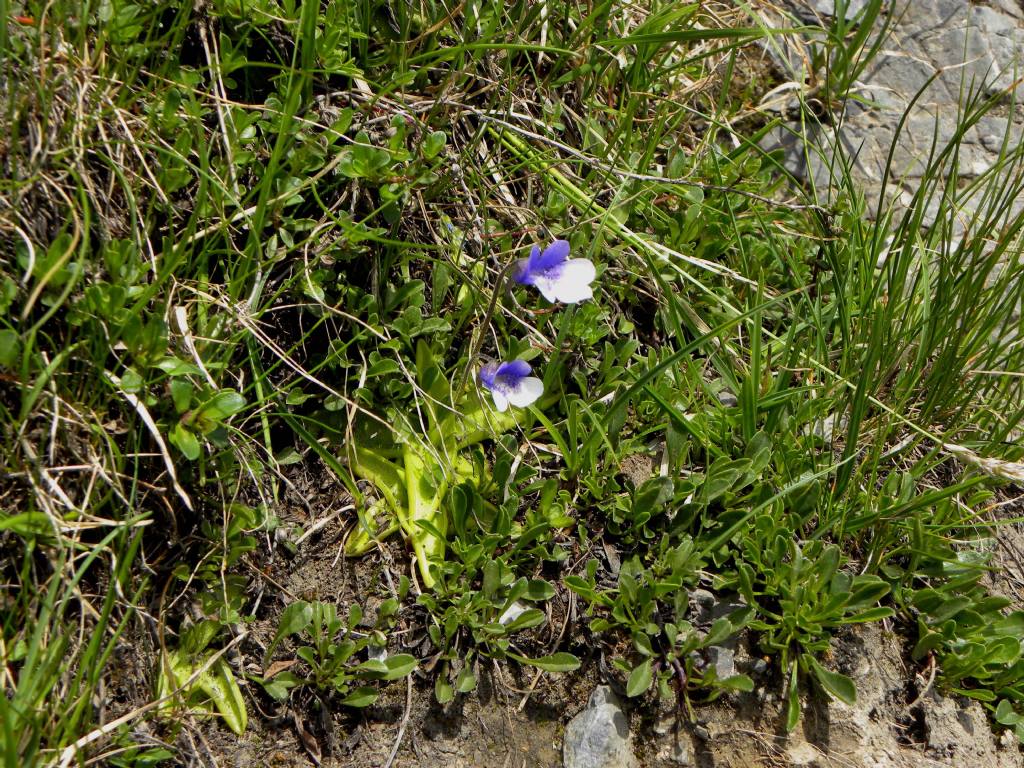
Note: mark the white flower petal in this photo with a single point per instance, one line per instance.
(546, 288)
(568, 283)
(513, 612)
(525, 392)
(500, 401)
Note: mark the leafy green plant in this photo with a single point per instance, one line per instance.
(478, 604)
(207, 419)
(331, 653)
(201, 677)
(970, 635)
(133, 756)
(222, 591)
(414, 487)
(651, 606)
(809, 597)
(244, 238)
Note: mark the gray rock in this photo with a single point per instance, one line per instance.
(702, 601)
(681, 754)
(723, 608)
(822, 11)
(672, 745)
(723, 659)
(826, 428)
(945, 48)
(599, 737)
(676, 752)
(1009, 7)
(728, 399)
(828, 8)
(666, 724)
(803, 754)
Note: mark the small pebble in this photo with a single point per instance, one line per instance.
(728, 399)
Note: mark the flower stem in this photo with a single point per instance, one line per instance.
(478, 336)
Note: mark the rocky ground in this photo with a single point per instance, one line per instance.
(938, 55)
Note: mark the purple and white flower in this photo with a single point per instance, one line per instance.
(511, 384)
(555, 275)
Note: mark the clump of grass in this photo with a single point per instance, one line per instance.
(275, 235)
